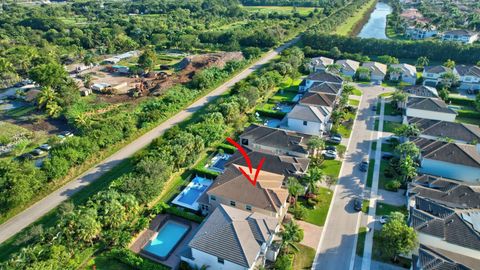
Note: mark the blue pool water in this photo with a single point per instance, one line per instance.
(192, 194)
(167, 238)
(220, 164)
(189, 196)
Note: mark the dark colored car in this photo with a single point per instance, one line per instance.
(331, 147)
(374, 108)
(387, 156)
(364, 165)
(335, 138)
(357, 204)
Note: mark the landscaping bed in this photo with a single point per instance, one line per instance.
(318, 213)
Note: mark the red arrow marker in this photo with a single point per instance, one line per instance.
(249, 163)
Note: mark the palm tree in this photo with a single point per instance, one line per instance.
(314, 175)
(291, 234)
(407, 131)
(53, 109)
(46, 96)
(334, 68)
(407, 168)
(422, 61)
(449, 63)
(400, 98)
(294, 188)
(315, 144)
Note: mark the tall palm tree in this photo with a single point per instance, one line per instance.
(315, 174)
(422, 61)
(294, 188)
(315, 144)
(46, 96)
(291, 234)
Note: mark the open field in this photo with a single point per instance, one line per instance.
(279, 9)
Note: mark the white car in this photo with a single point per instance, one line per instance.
(329, 154)
(383, 219)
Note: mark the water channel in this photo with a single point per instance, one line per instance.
(377, 23)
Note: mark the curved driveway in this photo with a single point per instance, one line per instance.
(34, 212)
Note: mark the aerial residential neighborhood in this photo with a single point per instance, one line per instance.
(240, 134)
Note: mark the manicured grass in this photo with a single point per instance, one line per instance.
(304, 257)
(103, 262)
(388, 147)
(377, 111)
(286, 96)
(354, 102)
(349, 25)
(331, 167)
(317, 215)
(356, 92)
(362, 234)
(371, 164)
(365, 206)
(377, 123)
(384, 209)
(20, 111)
(279, 9)
(384, 95)
(390, 110)
(374, 146)
(378, 255)
(466, 120)
(394, 84)
(390, 126)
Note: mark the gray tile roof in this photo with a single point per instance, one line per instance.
(325, 87)
(436, 69)
(453, 130)
(318, 99)
(421, 90)
(460, 32)
(323, 76)
(376, 67)
(234, 235)
(429, 104)
(431, 258)
(469, 70)
(348, 64)
(463, 154)
(276, 138)
(310, 113)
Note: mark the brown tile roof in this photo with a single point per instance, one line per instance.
(274, 137)
(319, 99)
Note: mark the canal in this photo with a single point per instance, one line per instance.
(377, 23)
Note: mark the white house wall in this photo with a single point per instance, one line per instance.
(202, 258)
(450, 170)
(449, 117)
(312, 128)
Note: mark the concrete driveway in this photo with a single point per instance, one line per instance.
(34, 212)
(337, 246)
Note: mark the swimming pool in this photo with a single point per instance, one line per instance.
(218, 162)
(169, 235)
(189, 196)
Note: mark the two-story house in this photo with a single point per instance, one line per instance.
(432, 74)
(320, 77)
(377, 71)
(444, 130)
(348, 67)
(274, 141)
(233, 239)
(421, 91)
(319, 64)
(449, 160)
(469, 76)
(429, 108)
(403, 72)
(460, 35)
(309, 119)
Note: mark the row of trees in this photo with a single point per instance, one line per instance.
(433, 50)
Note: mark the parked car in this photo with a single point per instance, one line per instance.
(335, 138)
(384, 219)
(45, 147)
(374, 108)
(329, 154)
(331, 147)
(357, 204)
(66, 134)
(364, 165)
(37, 152)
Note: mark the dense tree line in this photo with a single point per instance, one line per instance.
(295, 3)
(433, 50)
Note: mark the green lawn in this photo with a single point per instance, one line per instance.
(390, 126)
(362, 233)
(388, 147)
(377, 123)
(279, 9)
(390, 110)
(304, 257)
(394, 84)
(354, 102)
(331, 167)
(377, 111)
(103, 262)
(371, 164)
(385, 95)
(365, 206)
(472, 121)
(286, 96)
(382, 178)
(384, 209)
(317, 215)
(374, 146)
(349, 25)
(20, 111)
(356, 92)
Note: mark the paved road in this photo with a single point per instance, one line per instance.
(31, 214)
(337, 246)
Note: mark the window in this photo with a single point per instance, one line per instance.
(232, 203)
(213, 198)
(220, 260)
(304, 123)
(248, 207)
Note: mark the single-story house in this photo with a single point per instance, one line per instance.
(420, 32)
(469, 76)
(460, 35)
(348, 67)
(450, 160)
(309, 119)
(421, 91)
(403, 72)
(429, 108)
(319, 63)
(274, 141)
(432, 74)
(234, 239)
(377, 70)
(438, 130)
(320, 77)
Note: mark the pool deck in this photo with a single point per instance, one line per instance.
(145, 236)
